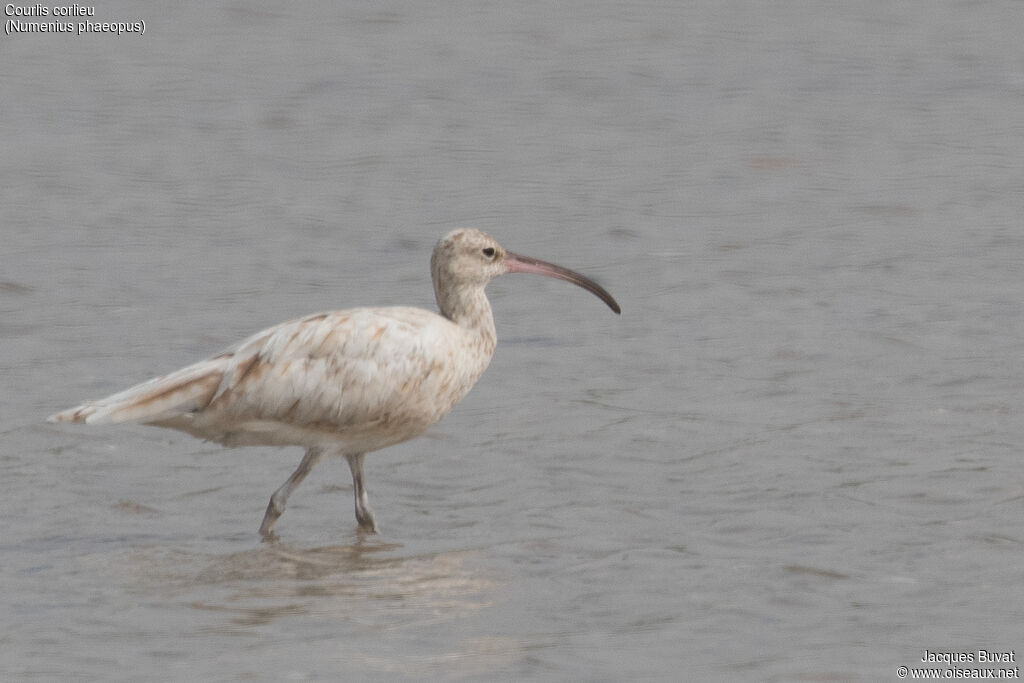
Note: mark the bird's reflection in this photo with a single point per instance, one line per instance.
(279, 579)
(359, 589)
(275, 559)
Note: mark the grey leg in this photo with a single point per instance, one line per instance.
(364, 515)
(280, 497)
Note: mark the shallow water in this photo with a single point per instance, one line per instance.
(794, 457)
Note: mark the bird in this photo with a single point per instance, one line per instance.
(341, 383)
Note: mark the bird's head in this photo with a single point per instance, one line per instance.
(472, 258)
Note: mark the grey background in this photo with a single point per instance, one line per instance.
(796, 455)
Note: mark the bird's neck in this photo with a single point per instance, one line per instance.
(469, 308)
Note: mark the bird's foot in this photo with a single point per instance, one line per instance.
(367, 524)
(267, 526)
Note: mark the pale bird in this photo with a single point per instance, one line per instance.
(343, 383)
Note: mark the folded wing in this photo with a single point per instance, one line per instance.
(359, 369)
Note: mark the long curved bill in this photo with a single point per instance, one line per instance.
(524, 264)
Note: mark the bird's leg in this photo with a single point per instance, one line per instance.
(364, 515)
(280, 497)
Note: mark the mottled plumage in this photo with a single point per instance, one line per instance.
(340, 383)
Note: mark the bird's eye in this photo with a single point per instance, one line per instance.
(489, 252)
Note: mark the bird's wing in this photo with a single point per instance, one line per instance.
(332, 369)
(336, 370)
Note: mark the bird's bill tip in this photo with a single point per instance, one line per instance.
(514, 263)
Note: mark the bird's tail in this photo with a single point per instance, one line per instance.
(161, 398)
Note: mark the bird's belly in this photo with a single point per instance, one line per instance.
(356, 439)
(360, 431)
